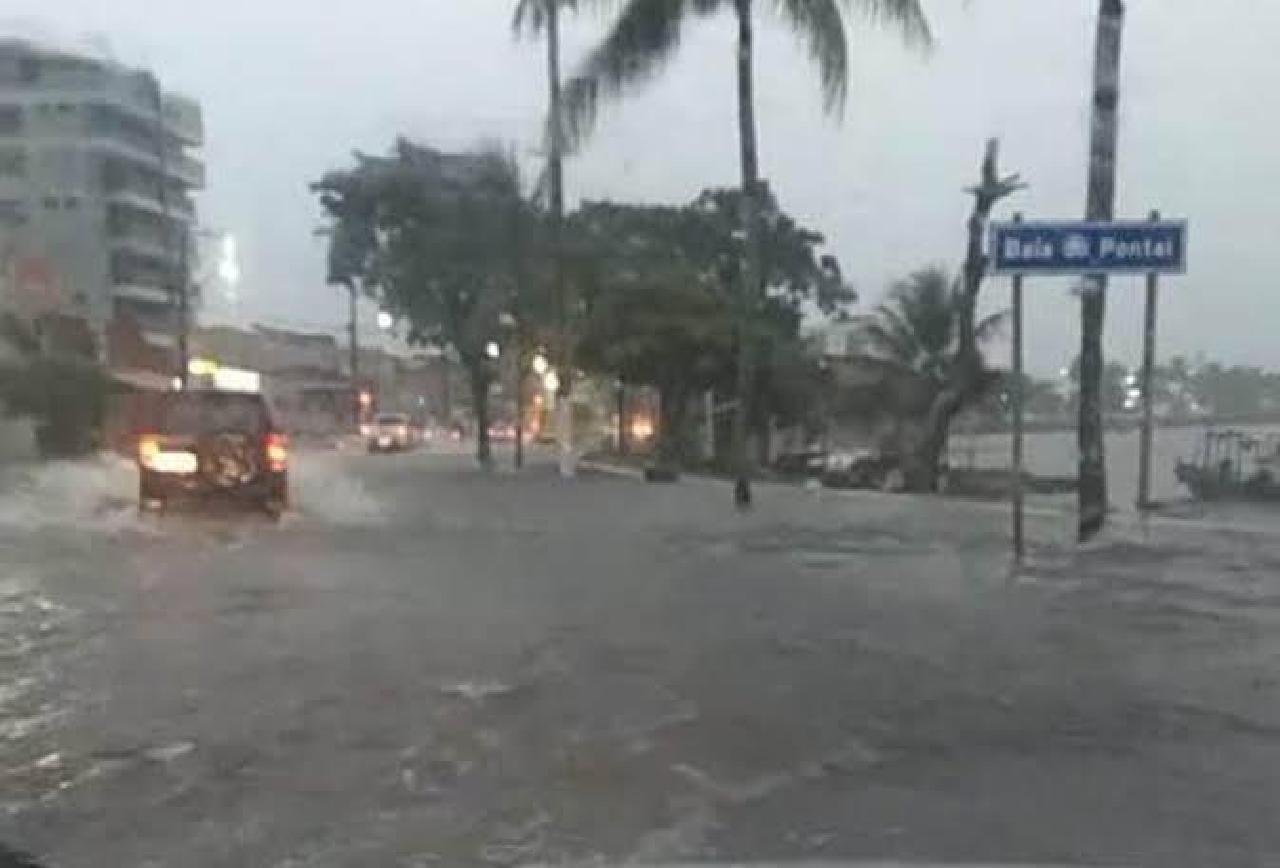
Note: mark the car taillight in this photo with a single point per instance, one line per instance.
(148, 449)
(277, 452)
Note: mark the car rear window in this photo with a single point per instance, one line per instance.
(214, 413)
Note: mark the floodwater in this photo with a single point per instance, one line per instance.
(1054, 453)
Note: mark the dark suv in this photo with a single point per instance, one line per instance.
(206, 444)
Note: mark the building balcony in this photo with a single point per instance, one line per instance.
(134, 95)
(183, 118)
(175, 164)
(139, 292)
(178, 207)
(186, 169)
(146, 246)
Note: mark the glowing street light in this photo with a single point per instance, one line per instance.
(385, 320)
(229, 263)
(492, 350)
(551, 381)
(540, 365)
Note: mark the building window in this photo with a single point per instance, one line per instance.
(13, 162)
(51, 202)
(71, 202)
(10, 119)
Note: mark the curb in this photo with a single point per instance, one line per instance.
(612, 469)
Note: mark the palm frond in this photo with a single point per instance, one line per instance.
(645, 35)
(905, 15)
(892, 336)
(990, 326)
(531, 15)
(821, 25)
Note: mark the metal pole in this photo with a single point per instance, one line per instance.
(1019, 543)
(622, 418)
(519, 354)
(709, 410)
(355, 356)
(1148, 378)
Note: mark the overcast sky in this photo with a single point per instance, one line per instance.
(289, 88)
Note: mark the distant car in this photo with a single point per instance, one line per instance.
(808, 463)
(206, 444)
(390, 432)
(502, 432)
(864, 468)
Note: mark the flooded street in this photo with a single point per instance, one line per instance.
(422, 664)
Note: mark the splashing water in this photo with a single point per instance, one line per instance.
(97, 494)
(323, 489)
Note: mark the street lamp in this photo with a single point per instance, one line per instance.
(385, 320)
(540, 365)
(492, 350)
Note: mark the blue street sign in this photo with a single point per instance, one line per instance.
(1082, 247)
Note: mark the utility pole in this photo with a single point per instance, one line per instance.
(1100, 206)
(355, 352)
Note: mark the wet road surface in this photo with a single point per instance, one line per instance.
(425, 665)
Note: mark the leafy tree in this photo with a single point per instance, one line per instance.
(1113, 384)
(657, 284)
(1235, 391)
(439, 239)
(647, 32)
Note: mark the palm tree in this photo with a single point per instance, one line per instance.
(647, 32)
(535, 16)
(1093, 301)
(914, 335)
(913, 347)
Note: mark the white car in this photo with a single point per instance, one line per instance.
(390, 432)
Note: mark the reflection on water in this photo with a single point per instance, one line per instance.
(1054, 453)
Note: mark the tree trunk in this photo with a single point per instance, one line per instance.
(750, 275)
(1100, 205)
(672, 404)
(555, 160)
(764, 442)
(624, 436)
(479, 376)
(921, 460)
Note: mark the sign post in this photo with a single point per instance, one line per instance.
(1083, 247)
(1017, 397)
(1148, 382)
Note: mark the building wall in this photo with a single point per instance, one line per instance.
(95, 181)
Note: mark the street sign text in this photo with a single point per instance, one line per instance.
(1082, 247)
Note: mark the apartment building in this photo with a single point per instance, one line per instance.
(97, 172)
